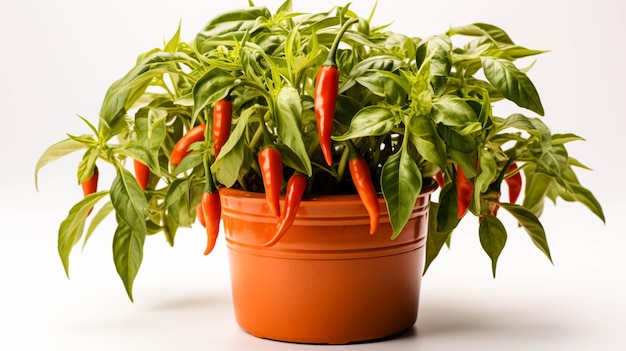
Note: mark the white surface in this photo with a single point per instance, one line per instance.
(59, 57)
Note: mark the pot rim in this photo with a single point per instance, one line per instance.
(429, 186)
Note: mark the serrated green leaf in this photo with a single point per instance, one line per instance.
(512, 83)
(531, 224)
(492, 238)
(71, 229)
(401, 183)
(128, 254)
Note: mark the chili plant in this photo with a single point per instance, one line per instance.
(394, 107)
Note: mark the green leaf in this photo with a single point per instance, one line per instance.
(554, 161)
(532, 225)
(558, 139)
(71, 229)
(124, 92)
(388, 85)
(537, 186)
(574, 191)
(128, 254)
(512, 83)
(370, 121)
(452, 111)
(436, 238)
(87, 164)
(288, 116)
(387, 63)
(498, 35)
(447, 215)
(423, 134)
(228, 165)
(401, 183)
(151, 130)
(492, 238)
(104, 211)
(437, 52)
(486, 174)
(56, 151)
(534, 126)
(212, 87)
(129, 201)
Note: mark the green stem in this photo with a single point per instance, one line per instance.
(331, 58)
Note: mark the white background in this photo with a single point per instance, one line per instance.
(57, 59)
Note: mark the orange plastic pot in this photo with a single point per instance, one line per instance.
(327, 280)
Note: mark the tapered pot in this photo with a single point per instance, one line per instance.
(327, 280)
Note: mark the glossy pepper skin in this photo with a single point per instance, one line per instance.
(439, 178)
(271, 165)
(90, 186)
(222, 120)
(200, 215)
(514, 183)
(181, 149)
(295, 190)
(142, 173)
(464, 192)
(325, 96)
(361, 177)
(212, 211)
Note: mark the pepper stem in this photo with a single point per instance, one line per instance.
(331, 58)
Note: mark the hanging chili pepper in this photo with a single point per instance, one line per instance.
(181, 149)
(90, 186)
(326, 87)
(271, 165)
(212, 210)
(200, 215)
(439, 178)
(514, 183)
(142, 173)
(464, 192)
(295, 190)
(222, 119)
(361, 177)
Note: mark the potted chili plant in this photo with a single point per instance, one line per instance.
(289, 129)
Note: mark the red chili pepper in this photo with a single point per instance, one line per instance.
(464, 192)
(514, 183)
(439, 178)
(222, 119)
(326, 87)
(362, 179)
(142, 173)
(181, 149)
(295, 190)
(212, 210)
(200, 215)
(271, 165)
(90, 186)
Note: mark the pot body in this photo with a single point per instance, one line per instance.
(327, 280)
